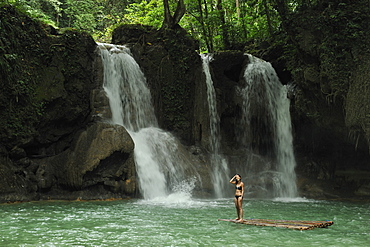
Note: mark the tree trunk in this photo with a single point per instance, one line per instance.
(204, 30)
(268, 18)
(225, 35)
(282, 8)
(237, 9)
(170, 21)
(208, 28)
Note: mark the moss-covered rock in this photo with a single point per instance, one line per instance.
(332, 50)
(50, 146)
(357, 114)
(46, 79)
(328, 55)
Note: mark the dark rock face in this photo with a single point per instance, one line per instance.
(172, 67)
(175, 75)
(329, 96)
(321, 130)
(16, 183)
(99, 160)
(52, 145)
(47, 80)
(228, 71)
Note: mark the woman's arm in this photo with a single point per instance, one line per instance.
(242, 189)
(233, 180)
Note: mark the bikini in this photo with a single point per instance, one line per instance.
(238, 188)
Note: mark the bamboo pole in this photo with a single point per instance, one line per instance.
(291, 224)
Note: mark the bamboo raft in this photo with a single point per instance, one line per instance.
(292, 224)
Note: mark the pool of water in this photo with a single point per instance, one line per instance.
(173, 221)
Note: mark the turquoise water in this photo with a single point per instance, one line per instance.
(179, 222)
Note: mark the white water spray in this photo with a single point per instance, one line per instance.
(220, 171)
(266, 107)
(160, 164)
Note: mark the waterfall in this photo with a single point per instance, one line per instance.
(220, 171)
(126, 88)
(265, 126)
(160, 162)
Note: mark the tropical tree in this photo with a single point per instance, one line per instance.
(170, 21)
(230, 24)
(81, 15)
(217, 24)
(144, 12)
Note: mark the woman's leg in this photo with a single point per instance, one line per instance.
(240, 208)
(237, 208)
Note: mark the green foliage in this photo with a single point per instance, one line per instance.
(245, 20)
(33, 8)
(82, 15)
(146, 13)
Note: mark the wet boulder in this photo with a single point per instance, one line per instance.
(100, 159)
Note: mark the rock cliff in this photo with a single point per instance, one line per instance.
(327, 52)
(53, 144)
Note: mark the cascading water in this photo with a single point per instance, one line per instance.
(160, 164)
(220, 171)
(266, 125)
(125, 85)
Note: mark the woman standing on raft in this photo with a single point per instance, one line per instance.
(239, 193)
